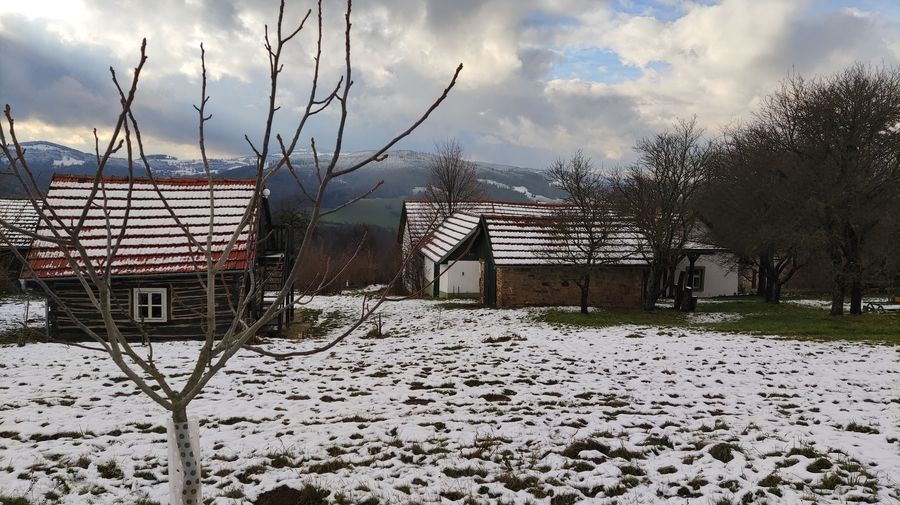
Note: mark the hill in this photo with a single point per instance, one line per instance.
(404, 174)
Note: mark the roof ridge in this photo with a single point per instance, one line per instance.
(182, 181)
(495, 202)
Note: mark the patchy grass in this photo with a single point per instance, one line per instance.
(110, 470)
(13, 500)
(462, 416)
(21, 336)
(605, 318)
(316, 323)
(457, 473)
(790, 320)
(724, 452)
(459, 304)
(862, 428)
(757, 318)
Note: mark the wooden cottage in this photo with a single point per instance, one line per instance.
(22, 216)
(156, 272)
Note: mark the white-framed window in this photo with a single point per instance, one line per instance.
(151, 305)
(696, 283)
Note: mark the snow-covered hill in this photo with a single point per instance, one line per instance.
(404, 173)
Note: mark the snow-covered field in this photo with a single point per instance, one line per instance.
(480, 405)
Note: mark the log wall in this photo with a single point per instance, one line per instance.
(186, 308)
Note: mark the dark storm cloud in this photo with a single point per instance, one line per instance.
(840, 35)
(54, 82)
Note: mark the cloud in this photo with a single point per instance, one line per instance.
(541, 77)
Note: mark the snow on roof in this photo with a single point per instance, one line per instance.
(700, 239)
(21, 214)
(448, 233)
(534, 241)
(154, 242)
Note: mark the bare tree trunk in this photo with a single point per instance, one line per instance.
(856, 291)
(761, 277)
(773, 286)
(837, 283)
(184, 454)
(669, 283)
(653, 289)
(585, 285)
(775, 296)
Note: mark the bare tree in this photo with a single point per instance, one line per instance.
(585, 232)
(841, 138)
(658, 193)
(748, 209)
(453, 180)
(137, 361)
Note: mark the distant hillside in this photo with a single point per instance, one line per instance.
(383, 212)
(404, 174)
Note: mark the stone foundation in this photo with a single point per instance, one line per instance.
(611, 287)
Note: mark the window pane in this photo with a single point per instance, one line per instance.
(142, 299)
(156, 299)
(157, 312)
(142, 312)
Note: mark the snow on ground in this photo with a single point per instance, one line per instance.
(815, 304)
(826, 304)
(481, 404)
(14, 310)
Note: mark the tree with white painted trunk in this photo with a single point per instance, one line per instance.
(136, 360)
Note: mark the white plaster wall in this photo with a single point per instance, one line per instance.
(428, 271)
(719, 279)
(460, 279)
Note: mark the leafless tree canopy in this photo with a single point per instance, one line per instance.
(658, 193)
(840, 139)
(453, 180)
(585, 231)
(137, 361)
(749, 210)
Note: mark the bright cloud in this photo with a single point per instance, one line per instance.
(541, 77)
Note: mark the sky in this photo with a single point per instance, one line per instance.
(541, 78)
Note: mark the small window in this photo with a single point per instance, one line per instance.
(150, 305)
(697, 281)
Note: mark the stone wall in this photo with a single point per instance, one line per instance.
(611, 287)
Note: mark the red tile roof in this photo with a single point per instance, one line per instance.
(153, 243)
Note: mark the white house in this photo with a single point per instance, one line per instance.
(715, 274)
